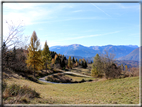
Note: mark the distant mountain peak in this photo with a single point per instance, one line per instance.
(76, 45)
(91, 51)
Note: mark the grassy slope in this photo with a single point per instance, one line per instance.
(81, 70)
(121, 91)
(79, 78)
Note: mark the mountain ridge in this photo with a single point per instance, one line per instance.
(91, 51)
(134, 55)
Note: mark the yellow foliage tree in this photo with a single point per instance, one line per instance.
(80, 61)
(126, 67)
(97, 67)
(46, 58)
(53, 61)
(56, 56)
(76, 64)
(34, 55)
(69, 62)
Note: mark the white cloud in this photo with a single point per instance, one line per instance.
(100, 9)
(33, 13)
(80, 37)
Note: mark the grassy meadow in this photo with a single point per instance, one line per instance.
(116, 91)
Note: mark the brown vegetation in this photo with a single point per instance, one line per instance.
(15, 94)
(133, 72)
(59, 78)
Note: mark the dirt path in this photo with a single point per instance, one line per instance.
(76, 74)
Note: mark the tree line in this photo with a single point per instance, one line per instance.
(34, 58)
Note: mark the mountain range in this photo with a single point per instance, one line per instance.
(134, 55)
(121, 52)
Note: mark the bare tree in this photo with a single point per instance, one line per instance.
(109, 67)
(13, 38)
(15, 34)
(107, 59)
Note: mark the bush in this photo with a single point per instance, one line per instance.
(90, 80)
(112, 71)
(83, 80)
(16, 90)
(59, 78)
(132, 73)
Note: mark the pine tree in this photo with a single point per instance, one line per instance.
(34, 55)
(46, 58)
(56, 57)
(76, 64)
(82, 64)
(85, 64)
(80, 61)
(73, 60)
(69, 62)
(126, 67)
(97, 66)
(62, 63)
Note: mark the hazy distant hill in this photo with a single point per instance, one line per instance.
(129, 63)
(134, 55)
(83, 51)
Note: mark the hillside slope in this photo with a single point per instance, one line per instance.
(134, 55)
(117, 91)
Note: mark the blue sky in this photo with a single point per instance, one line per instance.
(88, 24)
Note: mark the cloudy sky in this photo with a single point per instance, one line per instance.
(88, 24)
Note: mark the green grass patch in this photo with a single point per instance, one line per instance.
(78, 78)
(84, 71)
(116, 91)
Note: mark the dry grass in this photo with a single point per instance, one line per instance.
(79, 78)
(84, 71)
(15, 93)
(120, 91)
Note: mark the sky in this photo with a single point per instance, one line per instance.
(88, 24)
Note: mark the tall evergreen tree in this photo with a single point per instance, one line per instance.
(69, 62)
(97, 66)
(85, 64)
(46, 58)
(82, 64)
(80, 61)
(62, 63)
(34, 55)
(73, 60)
(126, 67)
